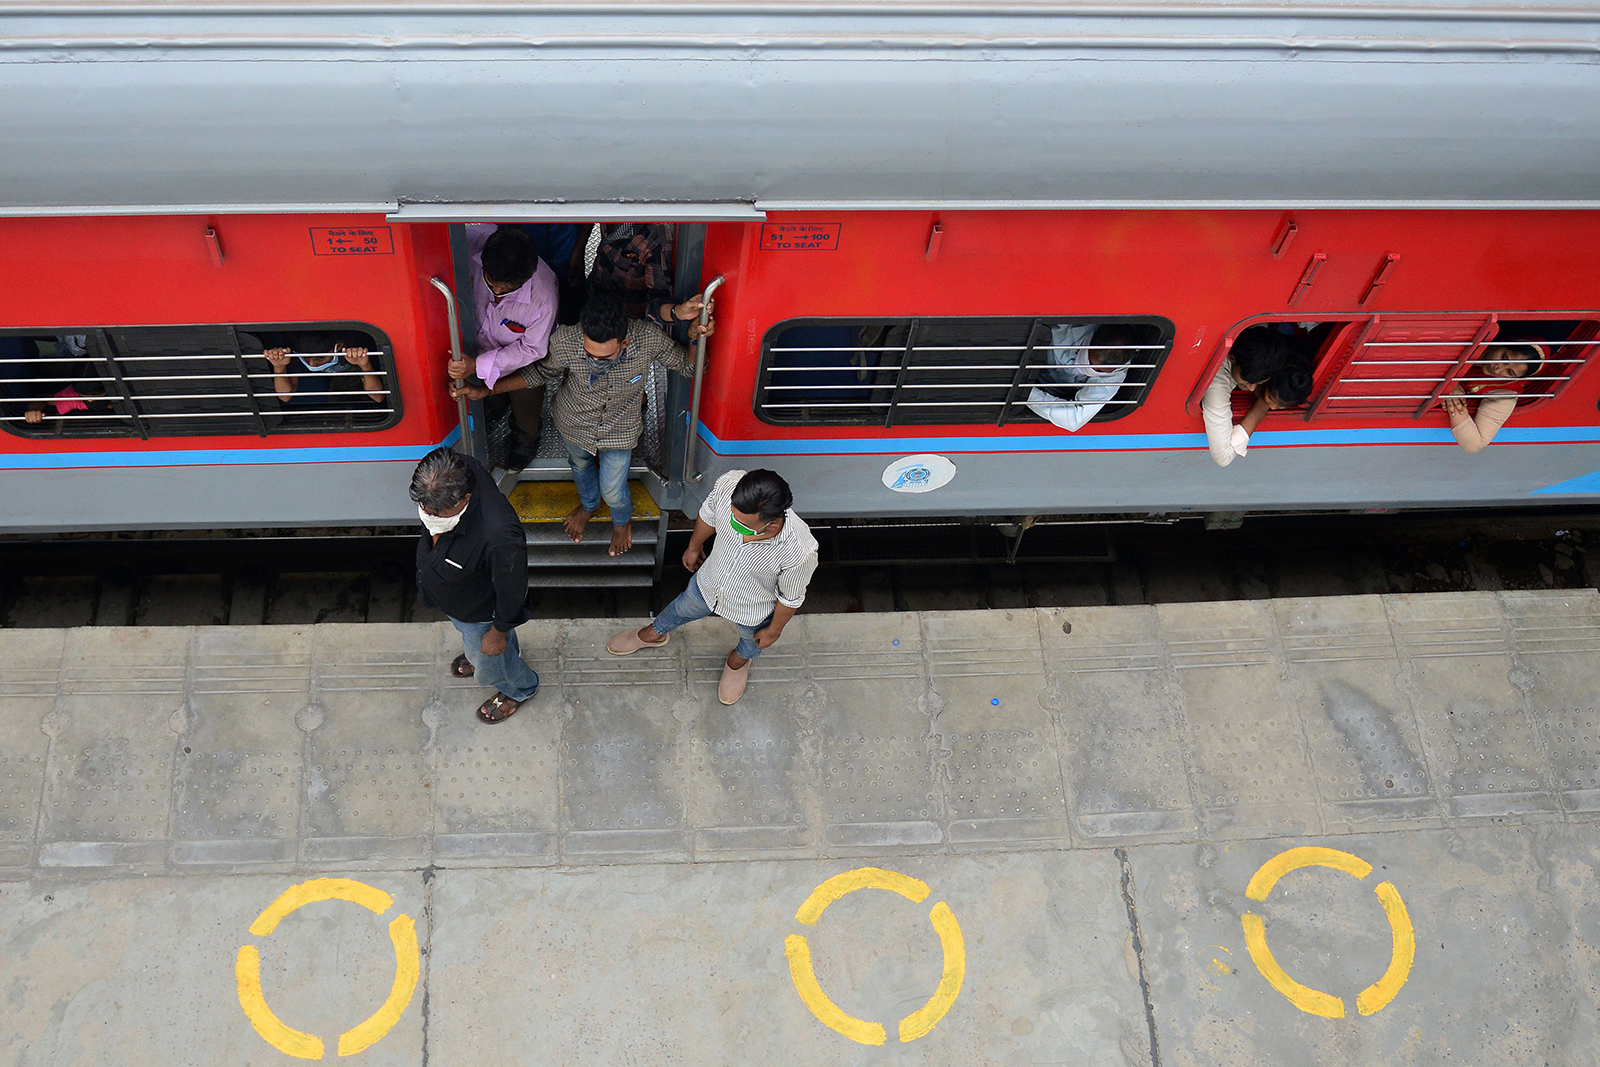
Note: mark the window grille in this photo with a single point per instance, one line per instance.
(1400, 365)
(190, 381)
(925, 371)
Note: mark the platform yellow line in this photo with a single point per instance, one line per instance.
(1305, 998)
(1293, 859)
(372, 898)
(861, 878)
(927, 1017)
(826, 1011)
(1377, 996)
(286, 1039)
(407, 965)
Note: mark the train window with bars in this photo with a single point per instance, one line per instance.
(922, 371)
(1403, 364)
(190, 381)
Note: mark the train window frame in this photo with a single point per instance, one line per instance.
(1012, 408)
(260, 412)
(1358, 331)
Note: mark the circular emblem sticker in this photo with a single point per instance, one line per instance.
(919, 474)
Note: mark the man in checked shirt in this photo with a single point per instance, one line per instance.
(601, 367)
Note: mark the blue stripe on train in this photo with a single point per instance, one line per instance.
(1125, 442)
(212, 457)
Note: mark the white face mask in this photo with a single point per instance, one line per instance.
(331, 365)
(437, 524)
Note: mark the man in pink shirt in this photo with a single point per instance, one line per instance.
(515, 294)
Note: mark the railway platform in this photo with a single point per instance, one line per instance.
(1334, 831)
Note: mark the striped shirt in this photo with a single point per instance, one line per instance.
(743, 580)
(607, 411)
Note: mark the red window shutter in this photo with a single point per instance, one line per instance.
(1400, 365)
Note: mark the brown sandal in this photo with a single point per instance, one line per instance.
(498, 708)
(462, 667)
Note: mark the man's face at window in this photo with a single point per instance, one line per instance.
(605, 351)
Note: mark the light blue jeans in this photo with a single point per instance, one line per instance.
(505, 673)
(602, 476)
(690, 605)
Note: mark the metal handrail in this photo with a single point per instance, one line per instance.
(693, 435)
(455, 354)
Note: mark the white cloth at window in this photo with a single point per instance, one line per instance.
(1068, 357)
(1226, 440)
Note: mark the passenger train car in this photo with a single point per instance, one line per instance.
(903, 201)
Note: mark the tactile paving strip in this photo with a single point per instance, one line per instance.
(1481, 744)
(1250, 772)
(30, 668)
(748, 765)
(1364, 748)
(495, 789)
(1556, 638)
(368, 781)
(108, 791)
(1002, 776)
(1121, 734)
(239, 764)
(876, 782)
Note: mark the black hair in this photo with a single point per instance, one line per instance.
(763, 494)
(1291, 385)
(441, 480)
(1259, 353)
(1116, 334)
(604, 318)
(509, 257)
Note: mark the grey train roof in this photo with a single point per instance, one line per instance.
(711, 109)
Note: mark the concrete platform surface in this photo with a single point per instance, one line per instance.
(1351, 830)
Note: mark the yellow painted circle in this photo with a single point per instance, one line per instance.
(830, 1014)
(1315, 1001)
(407, 965)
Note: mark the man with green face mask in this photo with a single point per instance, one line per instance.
(755, 576)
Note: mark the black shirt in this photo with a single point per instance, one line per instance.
(478, 572)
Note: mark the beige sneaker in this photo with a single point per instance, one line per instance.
(628, 642)
(731, 687)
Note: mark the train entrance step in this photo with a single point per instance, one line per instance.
(555, 561)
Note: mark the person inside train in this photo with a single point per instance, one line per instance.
(633, 262)
(1289, 388)
(1257, 354)
(515, 297)
(323, 368)
(53, 376)
(1088, 365)
(600, 368)
(1495, 380)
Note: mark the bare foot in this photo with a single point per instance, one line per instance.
(621, 538)
(576, 522)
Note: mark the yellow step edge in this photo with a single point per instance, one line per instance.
(550, 501)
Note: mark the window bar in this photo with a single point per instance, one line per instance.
(900, 378)
(1022, 370)
(1468, 354)
(1340, 364)
(109, 354)
(244, 375)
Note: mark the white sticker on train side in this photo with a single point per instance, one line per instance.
(919, 474)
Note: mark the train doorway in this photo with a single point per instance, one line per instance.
(652, 268)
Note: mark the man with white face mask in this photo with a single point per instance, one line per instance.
(472, 564)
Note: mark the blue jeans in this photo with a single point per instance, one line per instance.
(690, 606)
(602, 476)
(505, 673)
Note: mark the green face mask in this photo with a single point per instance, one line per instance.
(741, 528)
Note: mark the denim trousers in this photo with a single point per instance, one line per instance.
(506, 673)
(690, 605)
(602, 476)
